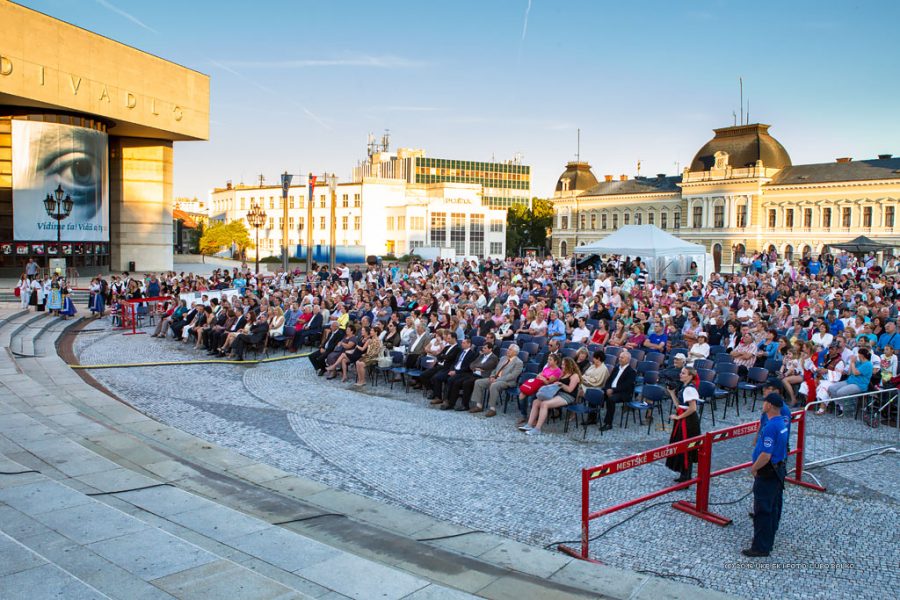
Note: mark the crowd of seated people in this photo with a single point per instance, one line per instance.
(475, 336)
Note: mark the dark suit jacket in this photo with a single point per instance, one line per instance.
(625, 385)
(333, 340)
(258, 331)
(238, 323)
(314, 325)
(447, 357)
(467, 361)
(485, 364)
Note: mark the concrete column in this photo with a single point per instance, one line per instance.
(140, 211)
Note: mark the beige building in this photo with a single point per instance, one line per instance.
(99, 119)
(741, 193)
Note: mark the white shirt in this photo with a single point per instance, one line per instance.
(619, 374)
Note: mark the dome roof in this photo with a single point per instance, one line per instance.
(579, 176)
(744, 144)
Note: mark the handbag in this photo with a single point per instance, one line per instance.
(530, 386)
(385, 360)
(548, 391)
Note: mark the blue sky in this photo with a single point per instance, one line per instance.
(299, 84)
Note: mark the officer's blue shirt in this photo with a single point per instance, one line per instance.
(785, 413)
(773, 439)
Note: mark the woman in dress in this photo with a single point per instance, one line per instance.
(619, 336)
(352, 347)
(371, 350)
(550, 374)
(54, 298)
(600, 334)
(68, 307)
(686, 422)
(24, 291)
(569, 386)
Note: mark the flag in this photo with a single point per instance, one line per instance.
(285, 184)
(312, 186)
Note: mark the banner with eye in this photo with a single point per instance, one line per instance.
(46, 156)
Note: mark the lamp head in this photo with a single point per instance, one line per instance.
(50, 205)
(67, 205)
(59, 193)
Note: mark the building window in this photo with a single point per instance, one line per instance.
(300, 224)
(291, 223)
(789, 218)
(280, 223)
(271, 203)
(345, 223)
(564, 222)
(626, 219)
(390, 223)
(401, 223)
(496, 248)
(583, 219)
(651, 218)
(496, 226)
(638, 218)
(322, 201)
(356, 223)
(676, 220)
(889, 216)
(845, 217)
(867, 216)
(458, 233)
(826, 218)
(345, 201)
(438, 229)
(355, 200)
(807, 218)
(476, 235)
(615, 221)
(291, 202)
(301, 201)
(321, 222)
(664, 220)
(698, 216)
(271, 223)
(417, 223)
(243, 200)
(719, 216)
(413, 244)
(603, 221)
(771, 219)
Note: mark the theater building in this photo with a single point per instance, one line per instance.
(97, 120)
(740, 194)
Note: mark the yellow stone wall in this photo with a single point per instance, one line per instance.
(140, 215)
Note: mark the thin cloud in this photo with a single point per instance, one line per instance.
(375, 62)
(271, 92)
(525, 25)
(111, 7)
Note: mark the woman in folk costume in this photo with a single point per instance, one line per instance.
(54, 298)
(36, 297)
(24, 288)
(686, 422)
(98, 302)
(68, 307)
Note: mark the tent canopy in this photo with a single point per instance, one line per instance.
(645, 241)
(861, 245)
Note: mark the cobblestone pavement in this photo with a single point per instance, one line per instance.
(484, 474)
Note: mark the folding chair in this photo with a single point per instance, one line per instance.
(594, 400)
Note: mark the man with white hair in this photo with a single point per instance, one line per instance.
(619, 387)
(503, 377)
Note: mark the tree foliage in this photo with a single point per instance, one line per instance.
(219, 236)
(527, 228)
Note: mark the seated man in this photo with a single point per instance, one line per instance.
(258, 333)
(464, 381)
(327, 349)
(437, 375)
(503, 377)
(656, 341)
(619, 388)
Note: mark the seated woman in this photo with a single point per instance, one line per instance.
(371, 350)
(390, 337)
(276, 324)
(582, 359)
(791, 373)
(601, 334)
(569, 388)
(549, 374)
(620, 336)
(352, 347)
(229, 339)
(163, 327)
(637, 337)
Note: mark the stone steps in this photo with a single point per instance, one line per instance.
(157, 541)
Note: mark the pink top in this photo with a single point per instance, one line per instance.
(551, 372)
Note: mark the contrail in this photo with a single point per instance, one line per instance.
(122, 13)
(525, 25)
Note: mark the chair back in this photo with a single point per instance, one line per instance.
(569, 352)
(575, 345)
(758, 375)
(647, 365)
(658, 357)
(707, 389)
(773, 365)
(702, 363)
(653, 393)
(675, 351)
(727, 381)
(726, 367)
(716, 350)
(523, 356)
(637, 354)
(724, 358)
(594, 397)
(706, 374)
(530, 347)
(651, 377)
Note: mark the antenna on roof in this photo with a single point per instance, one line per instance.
(748, 110)
(262, 180)
(578, 147)
(741, 79)
(639, 168)
(734, 115)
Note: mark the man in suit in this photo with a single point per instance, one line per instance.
(317, 358)
(417, 348)
(444, 363)
(464, 382)
(619, 387)
(218, 337)
(310, 332)
(503, 377)
(461, 370)
(258, 332)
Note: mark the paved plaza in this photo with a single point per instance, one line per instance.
(485, 475)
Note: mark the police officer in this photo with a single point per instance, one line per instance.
(768, 471)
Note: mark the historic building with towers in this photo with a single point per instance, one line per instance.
(741, 193)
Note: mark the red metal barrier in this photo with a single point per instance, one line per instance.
(128, 312)
(700, 507)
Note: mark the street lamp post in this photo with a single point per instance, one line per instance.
(58, 206)
(256, 217)
(285, 187)
(332, 254)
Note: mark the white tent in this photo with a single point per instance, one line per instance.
(666, 255)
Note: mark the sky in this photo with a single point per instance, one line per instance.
(297, 85)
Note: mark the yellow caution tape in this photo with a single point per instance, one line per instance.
(193, 362)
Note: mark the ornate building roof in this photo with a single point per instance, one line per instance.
(862, 170)
(638, 185)
(744, 145)
(576, 178)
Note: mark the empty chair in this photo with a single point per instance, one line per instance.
(540, 340)
(642, 367)
(773, 365)
(523, 338)
(658, 357)
(724, 358)
(533, 366)
(637, 354)
(726, 367)
(727, 386)
(706, 374)
(716, 350)
(594, 399)
(593, 348)
(675, 351)
(477, 340)
(613, 350)
(707, 391)
(655, 396)
(569, 352)
(756, 378)
(506, 344)
(635, 406)
(523, 356)
(702, 363)
(592, 324)
(573, 345)
(530, 347)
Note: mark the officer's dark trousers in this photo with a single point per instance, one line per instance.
(767, 495)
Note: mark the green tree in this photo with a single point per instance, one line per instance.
(218, 236)
(527, 228)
